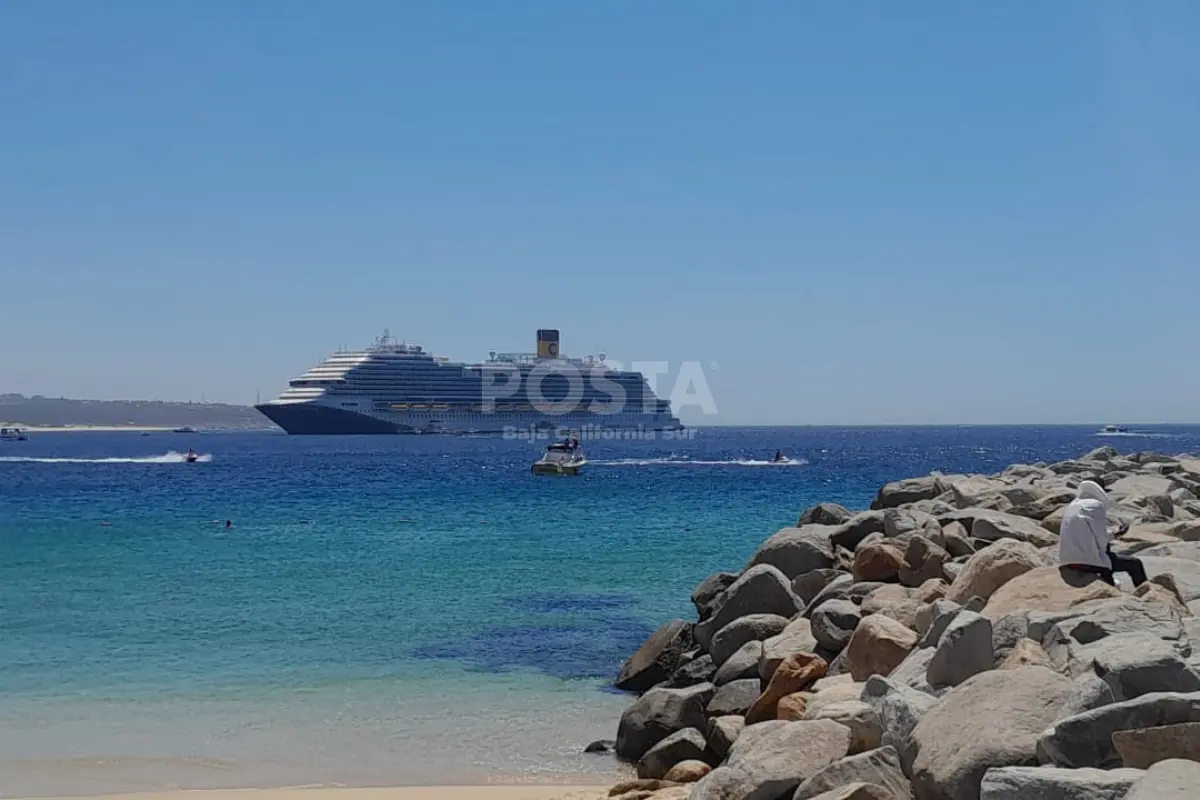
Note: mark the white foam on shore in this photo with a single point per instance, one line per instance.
(169, 457)
(689, 462)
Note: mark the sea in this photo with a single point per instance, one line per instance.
(387, 610)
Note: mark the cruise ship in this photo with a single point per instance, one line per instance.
(396, 387)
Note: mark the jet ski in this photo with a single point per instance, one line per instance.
(191, 457)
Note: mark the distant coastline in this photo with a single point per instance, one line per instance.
(51, 414)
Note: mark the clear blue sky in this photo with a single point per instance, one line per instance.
(862, 212)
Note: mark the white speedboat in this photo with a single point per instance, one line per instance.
(561, 458)
(12, 435)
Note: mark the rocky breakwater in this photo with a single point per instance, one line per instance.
(931, 648)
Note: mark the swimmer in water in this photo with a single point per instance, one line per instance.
(228, 523)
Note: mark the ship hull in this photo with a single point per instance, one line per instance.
(316, 419)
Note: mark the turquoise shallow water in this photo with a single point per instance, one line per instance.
(384, 610)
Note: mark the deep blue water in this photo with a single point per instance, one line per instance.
(404, 561)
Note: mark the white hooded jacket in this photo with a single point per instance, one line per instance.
(1083, 536)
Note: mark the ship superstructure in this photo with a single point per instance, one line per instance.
(396, 387)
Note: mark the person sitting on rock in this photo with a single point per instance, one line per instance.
(1084, 542)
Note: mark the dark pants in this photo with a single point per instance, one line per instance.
(1130, 566)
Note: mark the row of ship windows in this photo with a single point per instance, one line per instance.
(660, 406)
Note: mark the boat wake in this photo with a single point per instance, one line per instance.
(170, 457)
(689, 462)
(1136, 435)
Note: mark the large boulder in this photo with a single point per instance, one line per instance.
(754, 627)
(1142, 748)
(865, 731)
(877, 561)
(1086, 740)
(992, 720)
(850, 533)
(834, 623)
(704, 596)
(879, 767)
(735, 697)
(794, 674)
(685, 745)
(771, 764)
(1047, 589)
(723, 732)
(923, 561)
(1140, 485)
(963, 650)
(898, 709)
(1175, 779)
(657, 659)
(657, 714)
(878, 644)
(996, 526)
(991, 568)
(742, 664)
(762, 589)
(1048, 783)
(796, 551)
(909, 490)
(824, 514)
(699, 670)
(796, 638)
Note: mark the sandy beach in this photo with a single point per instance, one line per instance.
(405, 793)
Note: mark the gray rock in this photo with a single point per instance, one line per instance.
(964, 650)
(742, 664)
(760, 590)
(655, 660)
(824, 514)
(909, 490)
(687, 744)
(709, 590)
(723, 732)
(992, 567)
(953, 750)
(657, 714)
(997, 526)
(797, 637)
(753, 627)
(1049, 783)
(899, 522)
(1087, 692)
(1174, 779)
(857, 528)
(923, 561)
(735, 697)
(834, 622)
(1140, 484)
(1134, 664)
(898, 710)
(774, 763)
(913, 671)
(811, 584)
(795, 551)
(1100, 618)
(698, 670)
(879, 767)
(857, 791)
(1085, 740)
(933, 619)
(837, 588)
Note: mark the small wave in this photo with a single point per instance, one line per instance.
(170, 457)
(1136, 435)
(689, 462)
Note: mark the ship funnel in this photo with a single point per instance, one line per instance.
(547, 344)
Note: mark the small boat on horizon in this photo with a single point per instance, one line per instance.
(1110, 429)
(12, 435)
(184, 429)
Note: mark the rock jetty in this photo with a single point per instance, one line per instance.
(931, 648)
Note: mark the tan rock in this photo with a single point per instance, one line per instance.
(639, 785)
(865, 731)
(905, 613)
(877, 646)
(1141, 748)
(687, 771)
(885, 597)
(930, 590)
(878, 561)
(991, 568)
(923, 562)
(793, 707)
(1163, 589)
(832, 693)
(1047, 589)
(795, 673)
(1026, 653)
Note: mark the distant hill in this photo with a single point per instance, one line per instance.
(38, 412)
